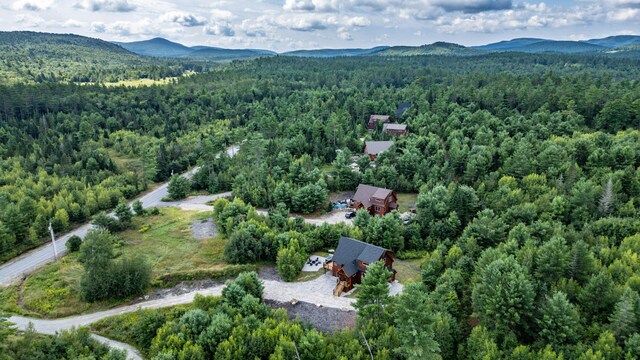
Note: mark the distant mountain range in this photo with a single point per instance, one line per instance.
(622, 45)
(528, 45)
(160, 47)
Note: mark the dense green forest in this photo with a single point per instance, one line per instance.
(526, 167)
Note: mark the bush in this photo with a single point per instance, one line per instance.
(104, 278)
(290, 260)
(178, 187)
(106, 222)
(138, 208)
(123, 213)
(73, 244)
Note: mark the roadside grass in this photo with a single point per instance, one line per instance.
(164, 240)
(406, 201)
(9, 297)
(54, 291)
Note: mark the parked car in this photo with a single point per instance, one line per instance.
(350, 215)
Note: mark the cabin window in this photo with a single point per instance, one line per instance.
(378, 208)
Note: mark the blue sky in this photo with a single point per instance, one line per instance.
(295, 24)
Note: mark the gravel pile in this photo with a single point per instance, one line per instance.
(204, 229)
(322, 318)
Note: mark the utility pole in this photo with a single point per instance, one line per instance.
(53, 240)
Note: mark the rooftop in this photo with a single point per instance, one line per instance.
(365, 193)
(376, 147)
(350, 250)
(400, 127)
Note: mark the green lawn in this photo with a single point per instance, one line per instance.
(408, 270)
(167, 244)
(406, 201)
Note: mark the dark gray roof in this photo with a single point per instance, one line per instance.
(402, 108)
(350, 250)
(376, 147)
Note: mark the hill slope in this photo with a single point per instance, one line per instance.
(37, 57)
(29, 57)
(438, 48)
(326, 53)
(565, 47)
(615, 42)
(158, 47)
(508, 44)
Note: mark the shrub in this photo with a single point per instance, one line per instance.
(178, 187)
(138, 208)
(290, 260)
(73, 244)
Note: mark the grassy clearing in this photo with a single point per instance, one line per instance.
(165, 241)
(54, 291)
(408, 270)
(406, 201)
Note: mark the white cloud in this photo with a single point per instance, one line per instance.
(32, 5)
(106, 5)
(218, 14)
(183, 19)
(524, 16)
(624, 3)
(623, 15)
(219, 29)
(29, 21)
(312, 5)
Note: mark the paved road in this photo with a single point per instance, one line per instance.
(16, 268)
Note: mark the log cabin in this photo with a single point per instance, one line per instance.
(395, 129)
(349, 263)
(377, 201)
(375, 119)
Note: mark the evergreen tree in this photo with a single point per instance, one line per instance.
(559, 320)
(607, 198)
(373, 296)
(414, 324)
(503, 297)
(625, 320)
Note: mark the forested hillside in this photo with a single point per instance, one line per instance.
(526, 167)
(27, 57)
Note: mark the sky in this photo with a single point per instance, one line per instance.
(283, 25)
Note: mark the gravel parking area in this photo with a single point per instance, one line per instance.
(204, 229)
(322, 318)
(334, 217)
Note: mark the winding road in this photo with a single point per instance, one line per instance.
(13, 270)
(317, 292)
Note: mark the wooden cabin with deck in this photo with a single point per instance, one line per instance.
(377, 201)
(350, 260)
